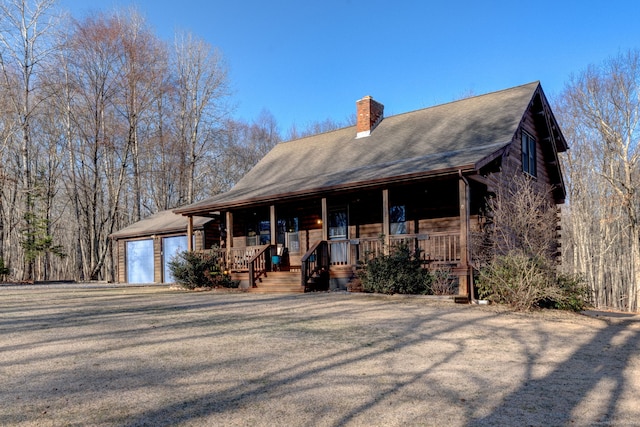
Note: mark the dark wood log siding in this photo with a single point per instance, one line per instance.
(122, 270)
(533, 123)
(157, 258)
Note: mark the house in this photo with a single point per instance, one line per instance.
(144, 249)
(419, 178)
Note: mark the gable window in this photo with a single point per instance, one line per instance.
(528, 154)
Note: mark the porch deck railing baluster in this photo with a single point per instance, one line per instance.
(438, 247)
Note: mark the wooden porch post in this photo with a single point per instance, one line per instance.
(386, 224)
(272, 222)
(190, 233)
(325, 220)
(229, 242)
(463, 190)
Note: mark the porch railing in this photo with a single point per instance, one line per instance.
(237, 259)
(256, 260)
(443, 248)
(435, 248)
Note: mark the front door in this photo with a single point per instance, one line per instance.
(338, 226)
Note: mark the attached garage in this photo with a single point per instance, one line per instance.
(145, 248)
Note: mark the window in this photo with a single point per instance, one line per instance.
(287, 234)
(259, 233)
(528, 154)
(265, 232)
(397, 217)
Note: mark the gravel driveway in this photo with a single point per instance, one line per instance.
(132, 356)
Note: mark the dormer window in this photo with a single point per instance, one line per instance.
(528, 154)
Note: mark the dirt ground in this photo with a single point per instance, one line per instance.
(134, 356)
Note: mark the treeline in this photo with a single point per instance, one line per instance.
(101, 124)
(600, 116)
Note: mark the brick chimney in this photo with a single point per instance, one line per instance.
(369, 113)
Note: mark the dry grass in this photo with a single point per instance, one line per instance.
(153, 356)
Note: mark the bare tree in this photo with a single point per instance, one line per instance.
(201, 91)
(240, 146)
(602, 107)
(113, 126)
(99, 145)
(316, 127)
(24, 47)
(143, 71)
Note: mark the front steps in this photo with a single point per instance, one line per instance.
(279, 282)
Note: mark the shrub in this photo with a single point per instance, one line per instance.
(193, 270)
(574, 294)
(443, 281)
(517, 249)
(400, 272)
(525, 282)
(514, 279)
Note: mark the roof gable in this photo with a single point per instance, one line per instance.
(447, 137)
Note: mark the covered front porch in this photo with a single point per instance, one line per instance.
(324, 239)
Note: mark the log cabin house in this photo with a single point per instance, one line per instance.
(324, 202)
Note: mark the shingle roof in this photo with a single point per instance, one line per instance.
(164, 222)
(450, 136)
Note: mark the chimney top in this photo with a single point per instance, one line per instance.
(369, 115)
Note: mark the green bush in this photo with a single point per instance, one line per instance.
(526, 282)
(193, 270)
(574, 294)
(400, 272)
(514, 279)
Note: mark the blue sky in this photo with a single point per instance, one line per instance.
(308, 61)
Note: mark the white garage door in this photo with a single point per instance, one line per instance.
(171, 246)
(140, 261)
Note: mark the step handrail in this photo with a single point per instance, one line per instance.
(258, 265)
(316, 259)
